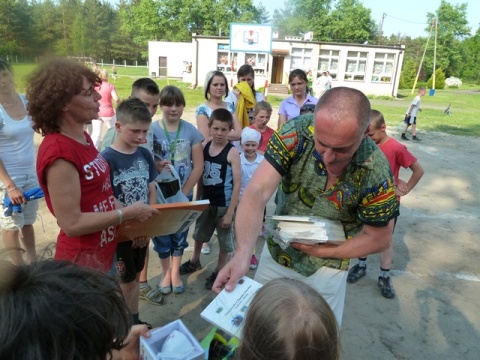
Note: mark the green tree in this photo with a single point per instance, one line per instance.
(408, 74)
(350, 21)
(439, 80)
(452, 28)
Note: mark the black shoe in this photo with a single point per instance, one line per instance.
(386, 287)
(188, 267)
(356, 272)
(415, 138)
(404, 137)
(210, 281)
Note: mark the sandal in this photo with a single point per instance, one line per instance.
(189, 267)
(152, 296)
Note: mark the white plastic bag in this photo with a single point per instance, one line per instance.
(169, 186)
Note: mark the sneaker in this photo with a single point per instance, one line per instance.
(415, 138)
(210, 281)
(404, 137)
(152, 296)
(355, 273)
(205, 249)
(189, 267)
(253, 262)
(386, 287)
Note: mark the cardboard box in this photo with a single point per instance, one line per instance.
(151, 347)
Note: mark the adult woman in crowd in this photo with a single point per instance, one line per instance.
(73, 175)
(215, 89)
(17, 168)
(107, 112)
(290, 107)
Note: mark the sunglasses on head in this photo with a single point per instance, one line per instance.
(307, 108)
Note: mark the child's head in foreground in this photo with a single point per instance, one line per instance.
(147, 90)
(288, 320)
(172, 103)
(133, 121)
(261, 114)
(220, 124)
(377, 128)
(55, 310)
(250, 140)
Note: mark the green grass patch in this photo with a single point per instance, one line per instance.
(465, 102)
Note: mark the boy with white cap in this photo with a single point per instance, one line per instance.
(250, 159)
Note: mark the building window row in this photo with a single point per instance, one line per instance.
(328, 60)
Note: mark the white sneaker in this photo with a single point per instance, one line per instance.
(205, 249)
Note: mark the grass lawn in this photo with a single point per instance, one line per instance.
(465, 102)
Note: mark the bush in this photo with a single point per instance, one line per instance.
(408, 74)
(453, 82)
(439, 80)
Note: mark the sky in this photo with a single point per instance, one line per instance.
(407, 17)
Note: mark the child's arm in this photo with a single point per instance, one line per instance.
(417, 173)
(237, 129)
(152, 193)
(197, 171)
(233, 158)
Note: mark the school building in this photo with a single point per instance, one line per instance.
(372, 69)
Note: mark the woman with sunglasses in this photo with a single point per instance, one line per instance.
(290, 107)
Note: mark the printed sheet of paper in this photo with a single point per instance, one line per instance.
(227, 311)
(173, 218)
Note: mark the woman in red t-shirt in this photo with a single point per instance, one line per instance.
(73, 175)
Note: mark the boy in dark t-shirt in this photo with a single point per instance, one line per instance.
(221, 185)
(132, 172)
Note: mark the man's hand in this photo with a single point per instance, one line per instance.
(234, 270)
(320, 250)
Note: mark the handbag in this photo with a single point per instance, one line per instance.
(168, 185)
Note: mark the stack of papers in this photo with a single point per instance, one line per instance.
(307, 230)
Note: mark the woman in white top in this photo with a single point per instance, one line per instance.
(17, 168)
(214, 89)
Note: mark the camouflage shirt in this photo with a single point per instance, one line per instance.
(363, 194)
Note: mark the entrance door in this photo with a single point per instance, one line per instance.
(162, 66)
(277, 69)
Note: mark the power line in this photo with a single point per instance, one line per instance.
(409, 21)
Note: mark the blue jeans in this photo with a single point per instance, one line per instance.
(171, 245)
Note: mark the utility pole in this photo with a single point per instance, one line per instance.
(380, 33)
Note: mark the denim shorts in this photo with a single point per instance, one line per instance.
(29, 211)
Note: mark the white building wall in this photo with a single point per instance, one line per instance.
(177, 54)
(203, 52)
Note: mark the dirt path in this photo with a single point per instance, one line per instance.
(436, 275)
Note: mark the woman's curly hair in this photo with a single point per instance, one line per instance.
(52, 86)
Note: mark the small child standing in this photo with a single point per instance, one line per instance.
(411, 115)
(398, 156)
(261, 117)
(250, 159)
(221, 186)
(179, 143)
(132, 172)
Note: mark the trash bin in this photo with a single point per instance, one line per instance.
(432, 92)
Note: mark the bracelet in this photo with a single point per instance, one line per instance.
(15, 188)
(120, 216)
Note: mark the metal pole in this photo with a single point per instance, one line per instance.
(421, 61)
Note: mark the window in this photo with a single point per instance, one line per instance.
(328, 61)
(257, 61)
(383, 67)
(226, 60)
(356, 66)
(301, 59)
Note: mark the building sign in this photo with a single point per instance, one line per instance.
(251, 38)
